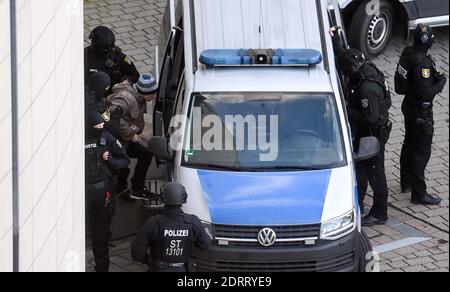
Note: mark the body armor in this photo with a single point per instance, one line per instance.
(97, 169)
(175, 244)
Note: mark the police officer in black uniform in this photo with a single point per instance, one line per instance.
(96, 92)
(418, 79)
(369, 101)
(103, 55)
(104, 156)
(165, 242)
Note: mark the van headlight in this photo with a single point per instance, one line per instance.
(209, 229)
(339, 227)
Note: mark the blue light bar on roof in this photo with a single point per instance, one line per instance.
(250, 57)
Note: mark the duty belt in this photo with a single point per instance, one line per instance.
(97, 186)
(178, 265)
(164, 265)
(425, 104)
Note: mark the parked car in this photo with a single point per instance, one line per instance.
(370, 23)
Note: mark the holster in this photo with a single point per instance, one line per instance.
(424, 118)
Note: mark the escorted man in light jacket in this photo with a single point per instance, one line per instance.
(132, 100)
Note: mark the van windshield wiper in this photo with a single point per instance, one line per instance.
(213, 166)
(237, 167)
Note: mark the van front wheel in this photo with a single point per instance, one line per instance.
(371, 28)
(364, 253)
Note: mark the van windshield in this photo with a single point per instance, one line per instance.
(263, 132)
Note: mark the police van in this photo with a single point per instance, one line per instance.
(266, 67)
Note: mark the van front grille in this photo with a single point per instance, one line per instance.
(287, 232)
(331, 264)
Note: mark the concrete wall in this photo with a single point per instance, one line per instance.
(51, 135)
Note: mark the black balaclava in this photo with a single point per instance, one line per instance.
(351, 62)
(102, 39)
(93, 118)
(423, 37)
(100, 84)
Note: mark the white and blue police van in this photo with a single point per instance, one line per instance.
(266, 66)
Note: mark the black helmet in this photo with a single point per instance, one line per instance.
(100, 84)
(102, 39)
(174, 194)
(423, 35)
(93, 119)
(351, 61)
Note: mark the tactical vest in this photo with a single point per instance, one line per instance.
(386, 102)
(405, 66)
(110, 65)
(97, 169)
(175, 240)
(113, 63)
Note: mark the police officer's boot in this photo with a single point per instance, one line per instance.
(427, 200)
(142, 194)
(370, 221)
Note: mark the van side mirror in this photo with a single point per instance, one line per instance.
(369, 147)
(159, 146)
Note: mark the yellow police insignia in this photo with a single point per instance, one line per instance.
(106, 116)
(426, 73)
(127, 60)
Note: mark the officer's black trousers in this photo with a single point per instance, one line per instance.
(373, 171)
(144, 160)
(416, 151)
(99, 214)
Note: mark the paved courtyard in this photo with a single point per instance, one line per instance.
(416, 238)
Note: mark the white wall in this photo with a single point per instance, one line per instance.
(5, 145)
(51, 134)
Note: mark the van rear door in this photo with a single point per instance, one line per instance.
(335, 17)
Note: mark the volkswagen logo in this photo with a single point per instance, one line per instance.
(267, 237)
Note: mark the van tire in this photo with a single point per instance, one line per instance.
(371, 33)
(364, 248)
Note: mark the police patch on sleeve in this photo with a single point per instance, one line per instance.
(426, 73)
(127, 60)
(365, 103)
(106, 116)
